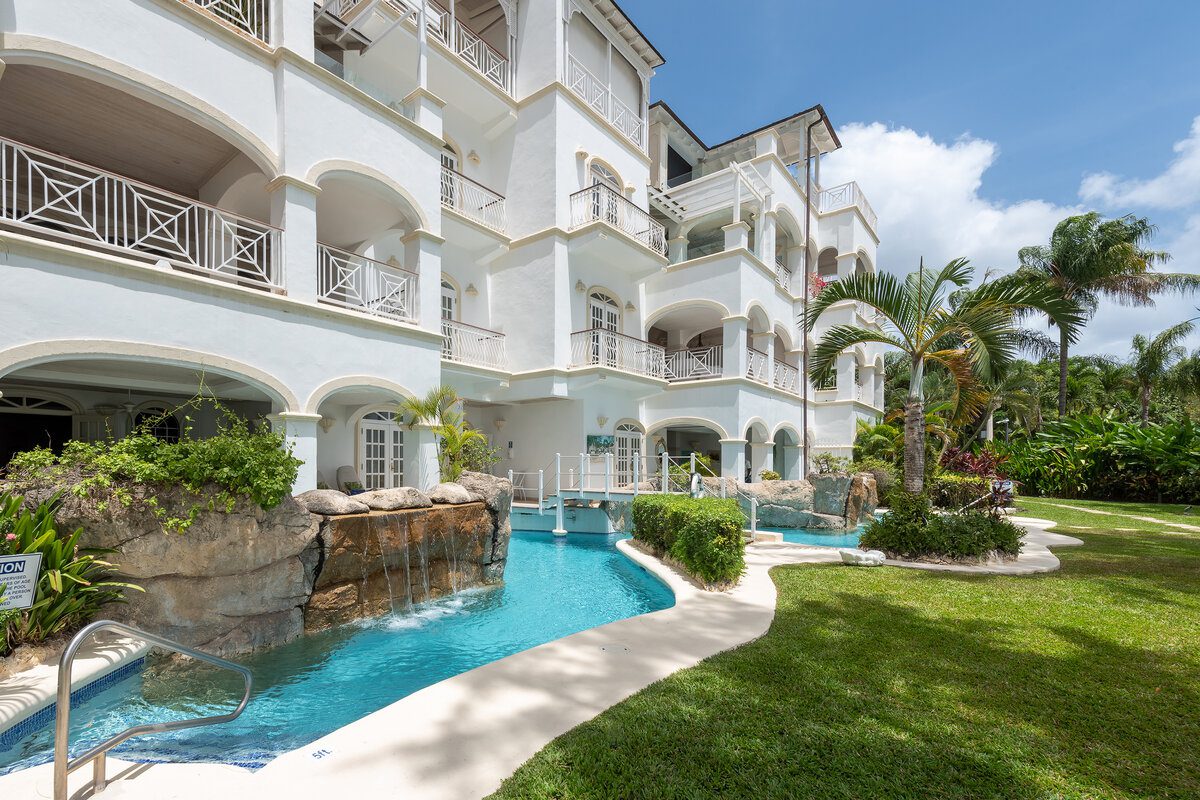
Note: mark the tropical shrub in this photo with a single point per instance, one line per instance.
(441, 409)
(953, 491)
(770, 475)
(825, 463)
(1102, 457)
(882, 442)
(911, 529)
(680, 475)
(887, 475)
(73, 584)
(984, 462)
(478, 455)
(703, 534)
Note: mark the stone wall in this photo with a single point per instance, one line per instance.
(834, 501)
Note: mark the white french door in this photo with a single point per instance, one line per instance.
(380, 451)
(629, 443)
(604, 317)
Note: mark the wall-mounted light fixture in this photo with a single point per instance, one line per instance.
(580, 287)
(500, 422)
(601, 421)
(473, 157)
(629, 306)
(326, 423)
(471, 291)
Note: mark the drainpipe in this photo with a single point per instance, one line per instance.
(808, 206)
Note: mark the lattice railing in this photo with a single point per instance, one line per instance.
(604, 203)
(783, 275)
(472, 200)
(462, 41)
(356, 282)
(596, 94)
(848, 195)
(786, 377)
(694, 363)
(606, 348)
(58, 198)
(468, 344)
(246, 15)
(756, 365)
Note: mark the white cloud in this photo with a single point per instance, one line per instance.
(926, 194)
(1178, 186)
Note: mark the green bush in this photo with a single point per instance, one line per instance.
(825, 463)
(73, 583)
(951, 490)
(770, 475)
(703, 534)
(911, 529)
(887, 476)
(240, 460)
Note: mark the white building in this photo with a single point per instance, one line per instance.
(325, 207)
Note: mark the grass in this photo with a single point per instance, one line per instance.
(1167, 512)
(891, 683)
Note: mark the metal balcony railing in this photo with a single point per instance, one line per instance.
(467, 344)
(356, 282)
(598, 96)
(249, 16)
(468, 45)
(53, 197)
(604, 203)
(756, 365)
(848, 195)
(694, 363)
(471, 199)
(606, 348)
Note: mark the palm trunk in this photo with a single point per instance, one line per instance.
(1063, 342)
(914, 445)
(1144, 398)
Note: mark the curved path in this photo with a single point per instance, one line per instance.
(461, 737)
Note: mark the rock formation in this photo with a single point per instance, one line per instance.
(833, 501)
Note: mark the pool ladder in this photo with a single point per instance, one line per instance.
(64, 765)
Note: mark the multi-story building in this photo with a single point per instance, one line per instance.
(321, 208)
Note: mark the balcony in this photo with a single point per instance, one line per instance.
(473, 200)
(602, 203)
(756, 365)
(694, 363)
(596, 94)
(783, 275)
(467, 344)
(248, 16)
(362, 284)
(605, 348)
(52, 197)
(787, 377)
(848, 195)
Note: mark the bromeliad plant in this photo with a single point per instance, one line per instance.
(973, 338)
(74, 583)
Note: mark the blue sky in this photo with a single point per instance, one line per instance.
(972, 126)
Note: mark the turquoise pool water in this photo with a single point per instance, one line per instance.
(554, 586)
(818, 537)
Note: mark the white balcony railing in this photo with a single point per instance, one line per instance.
(756, 365)
(617, 351)
(787, 377)
(597, 95)
(848, 195)
(363, 284)
(695, 363)
(865, 310)
(462, 41)
(604, 203)
(249, 16)
(783, 275)
(57, 198)
(467, 344)
(472, 200)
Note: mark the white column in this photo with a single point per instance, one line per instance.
(301, 433)
(765, 240)
(733, 459)
(677, 251)
(766, 143)
(845, 265)
(737, 236)
(734, 339)
(760, 459)
(420, 458)
(294, 209)
(292, 27)
(846, 388)
(426, 108)
(423, 255)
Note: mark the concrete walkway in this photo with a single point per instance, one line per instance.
(461, 737)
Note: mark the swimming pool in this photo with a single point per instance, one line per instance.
(554, 586)
(820, 538)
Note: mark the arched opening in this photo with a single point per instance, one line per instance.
(759, 451)
(693, 338)
(680, 438)
(827, 266)
(137, 179)
(629, 447)
(787, 363)
(786, 454)
(759, 345)
(362, 441)
(449, 298)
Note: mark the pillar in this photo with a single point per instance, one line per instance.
(766, 142)
(734, 341)
(677, 249)
(423, 255)
(292, 27)
(765, 241)
(420, 458)
(760, 459)
(845, 265)
(733, 459)
(737, 236)
(300, 431)
(425, 108)
(294, 209)
(846, 388)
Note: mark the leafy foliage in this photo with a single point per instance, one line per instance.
(883, 442)
(983, 462)
(953, 491)
(827, 463)
(703, 534)
(887, 476)
(240, 460)
(478, 455)
(911, 529)
(770, 475)
(73, 583)
(441, 409)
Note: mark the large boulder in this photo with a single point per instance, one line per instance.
(452, 494)
(330, 502)
(830, 491)
(394, 499)
(497, 495)
(862, 497)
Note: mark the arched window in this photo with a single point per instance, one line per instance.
(380, 451)
(630, 441)
(603, 175)
(606, 194)
(449, 184)
(449, 300)
(159, 422)
(604, 319)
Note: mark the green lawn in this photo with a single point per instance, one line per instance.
(892, 683)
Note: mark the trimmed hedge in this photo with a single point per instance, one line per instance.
(953, 490)
(702, 534)
(912, 529)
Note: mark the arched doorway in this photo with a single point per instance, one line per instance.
(629, 447)
(380, 450)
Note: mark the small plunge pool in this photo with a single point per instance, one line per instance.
(820, 538)
(554, 586)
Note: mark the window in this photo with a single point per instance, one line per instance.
(629, 444)
(449, 300)
(159, 422)
(606, 194)
(449, 187)
(604, 318)
(380, 451)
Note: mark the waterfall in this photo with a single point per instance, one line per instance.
(423, 550)
(451, 554)
(408, 598)
(383, 557)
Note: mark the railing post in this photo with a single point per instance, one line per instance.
(753, 517)
(584, 472)
(692, 465)
(665, 480)
(559, 530)
(637, 465)
(608, 463)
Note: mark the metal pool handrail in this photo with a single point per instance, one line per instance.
(63, 766)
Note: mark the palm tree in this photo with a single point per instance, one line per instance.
(441, 409)
(1153, 359)
(976, 338)
(1090, 258)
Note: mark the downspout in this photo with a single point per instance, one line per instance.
(808, 206)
